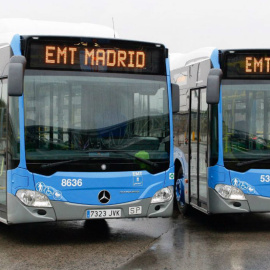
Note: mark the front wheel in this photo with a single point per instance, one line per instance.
(179, 193)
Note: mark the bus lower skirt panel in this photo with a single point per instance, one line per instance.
(19, 213)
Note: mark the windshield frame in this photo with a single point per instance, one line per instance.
(156, 78)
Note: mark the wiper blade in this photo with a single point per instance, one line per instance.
(240, 164)
(145, 161)
(59, 163)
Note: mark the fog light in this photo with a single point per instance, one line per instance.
(163, 195)
(230, 192)
(33, 198)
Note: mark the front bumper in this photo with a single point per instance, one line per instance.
(19, 213)
(218, 205)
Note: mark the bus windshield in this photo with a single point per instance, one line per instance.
(93, 116)
(246, 127)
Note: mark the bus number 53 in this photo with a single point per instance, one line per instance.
(265, 178)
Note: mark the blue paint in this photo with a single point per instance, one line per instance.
(120, 185)
(16, 48)
(19, 179)
(215, 59)
(170, 111)
(220, 131)
(252, 179)
(215, 62)
(16, 45)
(244, 186)
(168, 180)
(22, 135)
(218, 175)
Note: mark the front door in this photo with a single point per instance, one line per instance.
(198, 148)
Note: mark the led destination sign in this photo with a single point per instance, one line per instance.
(248, 65)
(96, 55)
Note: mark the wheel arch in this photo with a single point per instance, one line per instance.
(177, 166)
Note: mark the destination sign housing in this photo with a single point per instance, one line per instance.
(248, 65)
(95, 55)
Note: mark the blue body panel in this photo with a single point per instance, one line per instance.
(16, 48)
(123, 186)
(170, 109)
(218, 174)
(250, 182)
(215, 62)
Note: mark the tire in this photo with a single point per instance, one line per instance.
(179, 195)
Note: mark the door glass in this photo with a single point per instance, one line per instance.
(3, 146)
(194, 142)
(203, 146)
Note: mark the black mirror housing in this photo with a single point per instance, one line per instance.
(175, 97)
(16, 75)
(213, 86)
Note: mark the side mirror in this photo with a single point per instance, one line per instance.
(213, 86)
(175, 97)
(16, 75)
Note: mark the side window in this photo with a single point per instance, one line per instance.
(181, 119)
(181, 122)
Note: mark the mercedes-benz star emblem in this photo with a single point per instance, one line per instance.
(104, 196)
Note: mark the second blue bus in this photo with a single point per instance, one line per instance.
(222, 130)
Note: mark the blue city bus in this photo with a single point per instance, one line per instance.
(222, 131)
(86, 129)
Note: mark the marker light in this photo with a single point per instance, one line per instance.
(230, 192)
(163, 195)
(33, 198)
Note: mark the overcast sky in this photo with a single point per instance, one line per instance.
(181, 25)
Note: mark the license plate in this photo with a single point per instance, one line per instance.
(109, 213)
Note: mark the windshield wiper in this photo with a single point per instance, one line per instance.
(240, 164)
(59, 163)
(145, 161)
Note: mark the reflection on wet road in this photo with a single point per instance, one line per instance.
(237, 242)
(77, 245)
(198, 241)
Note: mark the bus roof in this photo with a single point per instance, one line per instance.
(178, 60)
(11, 27)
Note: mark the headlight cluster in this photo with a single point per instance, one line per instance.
(33, 198)
(163, 195)
(230, 192)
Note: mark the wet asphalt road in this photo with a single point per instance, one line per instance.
(195, 242)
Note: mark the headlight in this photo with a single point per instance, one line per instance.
(230, 192)
(163, 195)
(33, 198)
